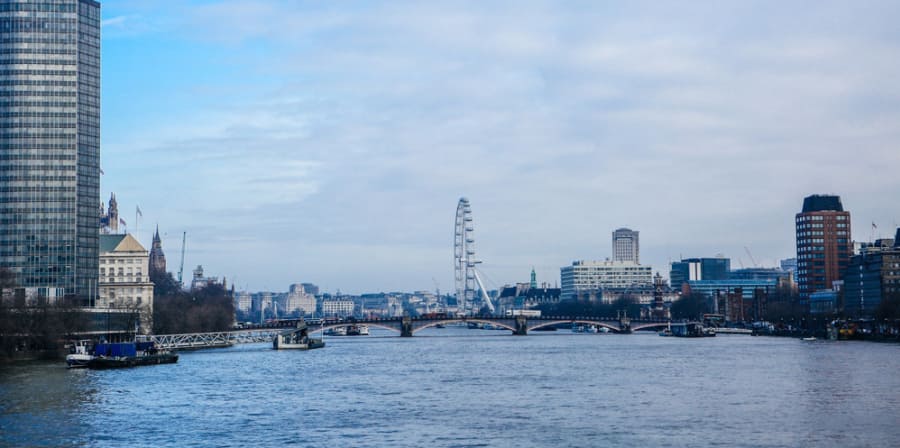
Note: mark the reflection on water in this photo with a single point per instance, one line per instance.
(458, 387)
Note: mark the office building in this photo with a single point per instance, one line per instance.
(588, 279)
(823, 244)
(693, 269)
(625, 246)
(872, 276)
(50, 146)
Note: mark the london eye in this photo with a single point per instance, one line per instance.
(468, 282)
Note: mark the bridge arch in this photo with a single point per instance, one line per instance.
(430, 324)
(542, 324)
(645, 326)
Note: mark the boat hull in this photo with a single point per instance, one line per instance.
(118, 362)
(279, 344)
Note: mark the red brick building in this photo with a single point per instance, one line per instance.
(824, 244)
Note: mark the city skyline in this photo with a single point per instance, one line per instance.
(330, 143)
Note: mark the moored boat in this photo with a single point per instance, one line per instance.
(80, 354)
(129, 354)
(296, 339)
(357, 330)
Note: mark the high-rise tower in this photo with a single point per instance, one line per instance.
(625, 245)
(823, 244)
(50, 146)
(157, 257)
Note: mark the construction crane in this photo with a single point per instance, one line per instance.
(755, 265)
(181, 266)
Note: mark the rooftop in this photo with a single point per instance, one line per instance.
(822, 203)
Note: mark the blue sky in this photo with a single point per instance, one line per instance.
(329, 142)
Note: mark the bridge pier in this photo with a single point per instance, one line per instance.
(521, 326)
(625, 325)
(406, 327)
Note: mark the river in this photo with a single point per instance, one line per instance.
(459, 387)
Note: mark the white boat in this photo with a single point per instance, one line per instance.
(363, 330)
(80, 354)
(811, 338)
(336, 331)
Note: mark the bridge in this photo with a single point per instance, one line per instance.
(406, 326)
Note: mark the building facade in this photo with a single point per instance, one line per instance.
(872, 276)
(693, 269)
(125, 279)
(823, 244)
(50, 146)
(337, 308)
(299, 301)
(590, 278)
(626, 245)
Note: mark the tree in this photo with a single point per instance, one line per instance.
(689, 306)
(207, 309)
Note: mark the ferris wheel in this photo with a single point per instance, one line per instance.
(467, 279)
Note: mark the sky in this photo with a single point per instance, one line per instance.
(329, 142)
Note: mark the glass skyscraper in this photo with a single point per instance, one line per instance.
(50, 146)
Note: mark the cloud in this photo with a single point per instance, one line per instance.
(348, 130)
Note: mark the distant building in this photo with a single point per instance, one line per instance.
(124, 278)
(199, 281)
(157, 257)
(693, 269)
(523, 296)
(299, 301)
(823, 301)
(789, 265)
(310, 288)
(337, 308)
(243, 302)
(871, 276)
(823, 244)
(625, 246)
(109, 220)
(587, 279)
(759, 274)
(711, 288)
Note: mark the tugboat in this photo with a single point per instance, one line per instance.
(129, 354)
(296, 339)
(80, 354)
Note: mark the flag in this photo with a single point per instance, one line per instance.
(122, 221)
(873, 225)
(141, 214)
(101, 171)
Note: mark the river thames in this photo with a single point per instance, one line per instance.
(458, 387)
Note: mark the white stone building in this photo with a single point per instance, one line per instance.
(591, 277)
(337, 308)
(299, 300)
(125, 278)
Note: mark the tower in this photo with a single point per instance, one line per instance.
(157, 257)
(533, 279)
(50, 172)
(625, 245)
(823, 244)
(113, 214)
